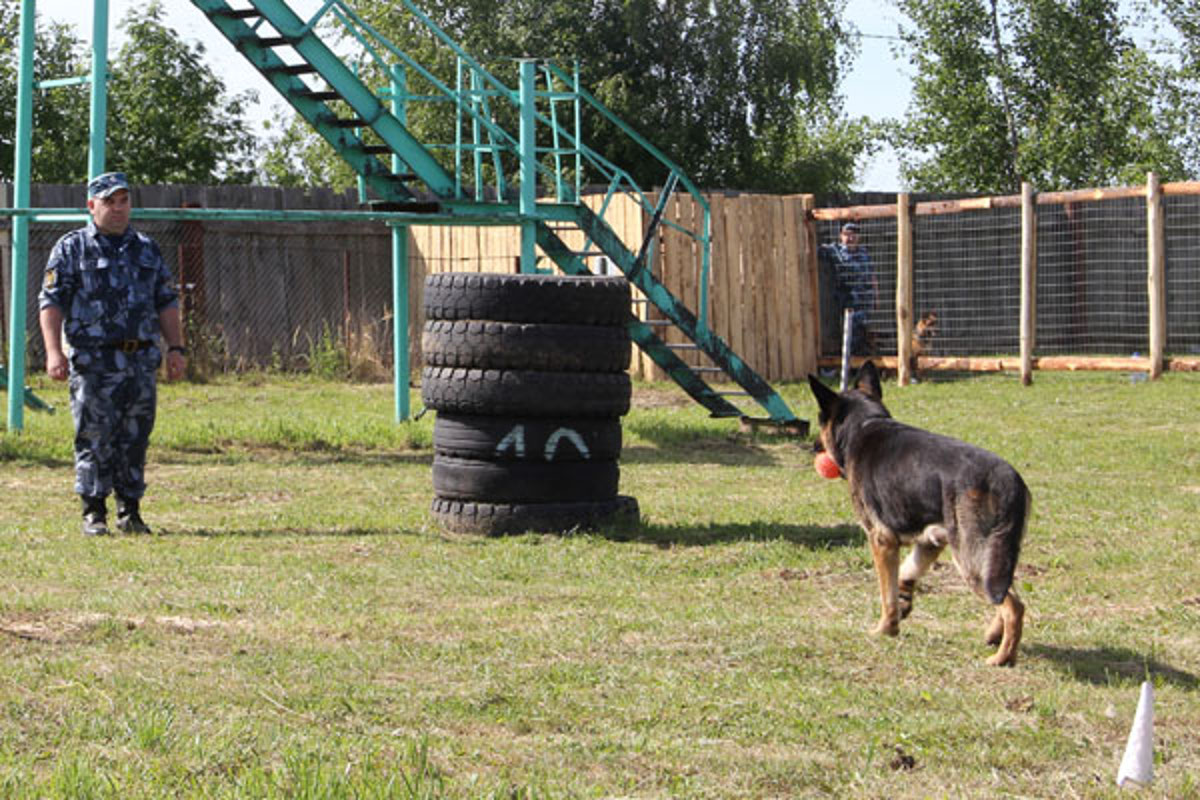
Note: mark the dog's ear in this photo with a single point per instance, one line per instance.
(867, 381)
(827, 399)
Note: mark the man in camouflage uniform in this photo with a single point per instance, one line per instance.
(108, 289)
(857, 287)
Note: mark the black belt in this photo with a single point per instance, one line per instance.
(128, 345)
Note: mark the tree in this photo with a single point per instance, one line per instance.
(169, 119)
(1043, 91)
(61, 155)
(1182, 95)
(739, 93)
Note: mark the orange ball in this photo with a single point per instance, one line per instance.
(826, 467)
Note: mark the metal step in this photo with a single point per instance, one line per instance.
(314, 94)
(238, 13)
(293, 69)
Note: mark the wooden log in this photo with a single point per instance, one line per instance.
(1183, 364)
(1181, 188)
(1028, 321)
(1156, 275)
(1091, 195)
(931, 208)
(854, 213)
(904, 287)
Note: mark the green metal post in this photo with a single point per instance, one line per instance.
(99, 109)
(362, 179)
(528, 145)
(22, 164)
(400, 287)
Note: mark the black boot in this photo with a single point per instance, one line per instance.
(128, 518)
(95, 516)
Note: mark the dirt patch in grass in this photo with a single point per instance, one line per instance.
(56, 628)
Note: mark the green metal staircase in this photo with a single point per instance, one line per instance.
(465, 180)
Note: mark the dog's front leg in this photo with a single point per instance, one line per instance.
(885, 550)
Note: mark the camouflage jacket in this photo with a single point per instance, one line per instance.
(107, 290)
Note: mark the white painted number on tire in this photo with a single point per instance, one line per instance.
(575, 439)
(515, 439)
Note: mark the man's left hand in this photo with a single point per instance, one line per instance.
(176, 365)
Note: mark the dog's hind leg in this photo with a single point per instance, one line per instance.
(1005, 629)
(926, 549)
(885, 550)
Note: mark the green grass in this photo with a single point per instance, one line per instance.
(300, 629)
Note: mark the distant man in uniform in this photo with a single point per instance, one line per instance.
(856, 287)
(108, 289)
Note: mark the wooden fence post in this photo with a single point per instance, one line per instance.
(1156, 288)
(904, 288)
(1028, 281)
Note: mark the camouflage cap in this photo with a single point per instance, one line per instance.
(104, 185)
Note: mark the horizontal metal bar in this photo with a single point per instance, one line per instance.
(57, 82)
(482, 215)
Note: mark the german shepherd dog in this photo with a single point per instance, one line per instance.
(910, 486)
(922, 339)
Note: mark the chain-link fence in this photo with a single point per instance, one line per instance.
(259, 295)
(1092, 257)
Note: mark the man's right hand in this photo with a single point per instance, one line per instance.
(56, 366)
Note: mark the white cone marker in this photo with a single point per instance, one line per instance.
(1137, 767)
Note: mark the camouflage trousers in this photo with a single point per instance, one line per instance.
(113, 403)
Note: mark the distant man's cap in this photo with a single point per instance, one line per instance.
(102, 186)
(852, 227)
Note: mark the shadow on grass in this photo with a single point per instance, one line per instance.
(717, 451)
(1107, 666)
(267, 533)
(811, 536)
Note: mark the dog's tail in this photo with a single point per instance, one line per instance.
(1004, 544)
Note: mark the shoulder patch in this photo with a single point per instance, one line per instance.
(51, 279)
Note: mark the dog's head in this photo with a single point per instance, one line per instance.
(841, 414)
(927, 326)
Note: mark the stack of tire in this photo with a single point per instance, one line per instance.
(529, 378)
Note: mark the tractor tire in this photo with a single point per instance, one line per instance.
(558, 299)
(521, 438)
(521, 345)
(525, 481)
(497, 519)
(525, 393)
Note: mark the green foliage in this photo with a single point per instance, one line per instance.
(169, 119)
(1056, 94)
(327, 356)
(739, 93)
(60, 156)
(295, 156)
